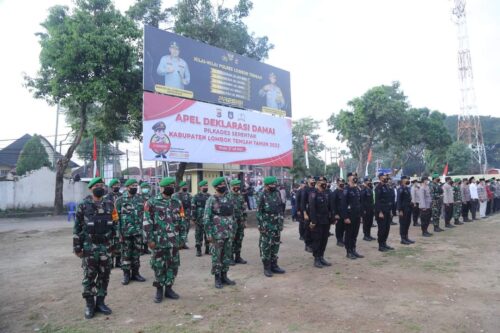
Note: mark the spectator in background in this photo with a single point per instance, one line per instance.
(283, 198)
(251, 196)
(293, 202)
(474, 203)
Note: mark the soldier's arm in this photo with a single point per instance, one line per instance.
(344, 204)
(312, 207)
(399, 198)
(243, 209)
(148, 221)
(78, 229)
(207, 217)
(194, 209)
(376, 195)
(260, 208)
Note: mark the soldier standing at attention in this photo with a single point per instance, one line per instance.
(300, 214)
(367, 206)
(240, 220)
(305, 211)
(436, 196)
(404, 208)
(197, 210)
(466, 199)
(145, 195)
(270, 220)
(130, 207)
(185, 198)
(457, 197)
(163, 217)
(414, 202)
(113, 195)
(383, 210)
(425, 204)
(93, 232)
(320, 218)
(448, 202)
(350, 211)
(336, 199)
(218, 221)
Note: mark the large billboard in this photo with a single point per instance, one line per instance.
(184, 130)
(179, 66)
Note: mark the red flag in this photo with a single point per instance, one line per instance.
(445, 171)
(94, 157)
(305, 144)
(369, 159)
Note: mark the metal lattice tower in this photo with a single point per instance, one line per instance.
(469, 125)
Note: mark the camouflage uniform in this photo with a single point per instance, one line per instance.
(197, 210)
(112, 196)
(436, 205)
(93, 232)
(131, 210)
(270, 220)
(163, 218)
(218, 222)
(240, 217)
(457, 206)
(185, 198)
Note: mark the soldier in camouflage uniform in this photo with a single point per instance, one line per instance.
(93, 232)
(240, 219)
(113, 195)
(145, 195)
(197, 210)
(185, 198)
(436, 205)
(457, 198)
(130, 209)
(270, 220)
(163, 218)
(218, 222)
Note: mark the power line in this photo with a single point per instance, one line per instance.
(45, 136)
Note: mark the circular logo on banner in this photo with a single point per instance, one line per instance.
(160, 142)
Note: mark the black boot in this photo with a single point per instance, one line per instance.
(226, 280)
(404, 241)
(449, 225)
(207, 249)
(101, 307)
(89, 307)
(340, 243)
(324, 262)
(409, 240)
(275, 268)
(388, 247)
(317, 263)
(118, 261)
(136, 276)
(239, 259)
(350, 255)
(417, 224)
(357, 254)
(382, 248)
(218, 281)
(426, 234)
(267, 269)
(126, 277)
(159, 295)
(367, 238)
(308, 249)
(231, 261)
(169, 293)
(437, 229)
(198, 250)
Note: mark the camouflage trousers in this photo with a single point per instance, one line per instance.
(436, 213)
(200, 235)
(221, 251)
(269, 244)
(457, 210)
(96, 266)
(186, 224)
(165, 263)
(131, 248)
(117, 247)
(239, 233)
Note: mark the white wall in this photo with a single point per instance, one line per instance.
(37, 189)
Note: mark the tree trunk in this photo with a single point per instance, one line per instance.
(180, 172)
(62, 163)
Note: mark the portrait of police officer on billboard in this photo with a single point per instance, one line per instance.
(174, 69)
(273, 94)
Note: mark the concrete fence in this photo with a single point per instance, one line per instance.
(36, 190)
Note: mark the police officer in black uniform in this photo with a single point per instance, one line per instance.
(305, 211)
(383, 211)
(335, 200)
(350, 209)
(300, 214)
(404, 209)
(320, 220)
(367, 206)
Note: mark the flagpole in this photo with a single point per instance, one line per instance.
(306, 152)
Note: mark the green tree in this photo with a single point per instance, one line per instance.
(88, 64)
(32, 157)
(459, 158)
(306, 127)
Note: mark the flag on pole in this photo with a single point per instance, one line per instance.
(445, 171)
(306, 152)
(94, 157)
(368, 160)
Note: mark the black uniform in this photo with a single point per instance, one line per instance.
(305, 209)
(393, 201)
(383, 204)
(404, 205)
(350, 207)
(300, 214)
(335, 200)
(320, 216)
(367, 206)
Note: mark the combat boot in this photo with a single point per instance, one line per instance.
(207, 249)
(136, 276)
(226, 280)
(118, 262)
(198, 250)
(169, 293)
(350, 255)
(449, 225)
(307, 248)
(218, 281)
(89, 307)
(437, 229)
(417, 224)
(126, 277)
(457, 222)
(267, 269)
(426, 234)
(388, 247)
(404, 241)
(409, 240)
(231, 261)
(100, 306)
(367, 238)
(239, 259)
(381, 248)
(275, 268)
(317, 263)
(357, 254)
(159, 295)
(324, 262)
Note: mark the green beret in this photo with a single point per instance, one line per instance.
(235, 182)
(182, 183)
(202, 183)
(130, 181)
(167, 181)
(113, 181)
(94, 181)
(456, 180)
(144, 185)
(270, 180)
(217, 181)
(435, 175)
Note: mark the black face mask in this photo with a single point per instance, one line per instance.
(323, 186)
(272, 188)
(341, 185)
(132, 190)
(221, 189)
(370, 185)
(98, 192)
(168, 190)
(116, 189)
(313, 184)
(355, 180)
(385, 180)
(184, 190)
(205, 190)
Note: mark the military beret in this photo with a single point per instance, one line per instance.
(130, 181)
(145, 184)
(113, 181)
(202, 183)
(94, 181)
(182, 183)
(167, 181)
(270, 180)
(456, 180)
(435, 175)
(217, 181)
(235, 182)
(381, 174)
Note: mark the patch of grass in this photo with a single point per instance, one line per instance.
(293, 327)
(440, 266)
(378, 263)
(49, 328)
(403, 253)
(34, 316)
(171, 329)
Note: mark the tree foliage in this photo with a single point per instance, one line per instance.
(306, 127)
(459, 158)
(32, 157)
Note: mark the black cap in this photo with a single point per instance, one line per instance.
(367, 179)
(404, 177)
(322, 179)
(381, 174)
(349, 174)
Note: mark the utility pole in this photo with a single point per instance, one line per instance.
(128, 171)
(55, 137)
(140, 160)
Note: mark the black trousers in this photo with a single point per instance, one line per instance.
(448, 213)
(488, 207)
(497, 204)
(465, 210)
(320, 235)
(404, 222)
(384, 226)
(367, 222)
(474, 206)
(302, 225)
(425, 218)
(415, 213)
(307, 234)
(351, 232)
(339, 230)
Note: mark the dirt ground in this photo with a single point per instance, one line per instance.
(447, 283)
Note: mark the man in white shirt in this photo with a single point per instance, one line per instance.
(448, 202)
(474, 197)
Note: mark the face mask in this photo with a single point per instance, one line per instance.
(385, 180)
(116, 189)
(355, 179)
(98, 192)
(205, 190)
(236, 189)
(132, 190)
(370, 185)
(313, 184)
(184, 190)
(272, 188)
(168, 190)
(145, 191)
(221, 189)
(341, 185)
(323, 186)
